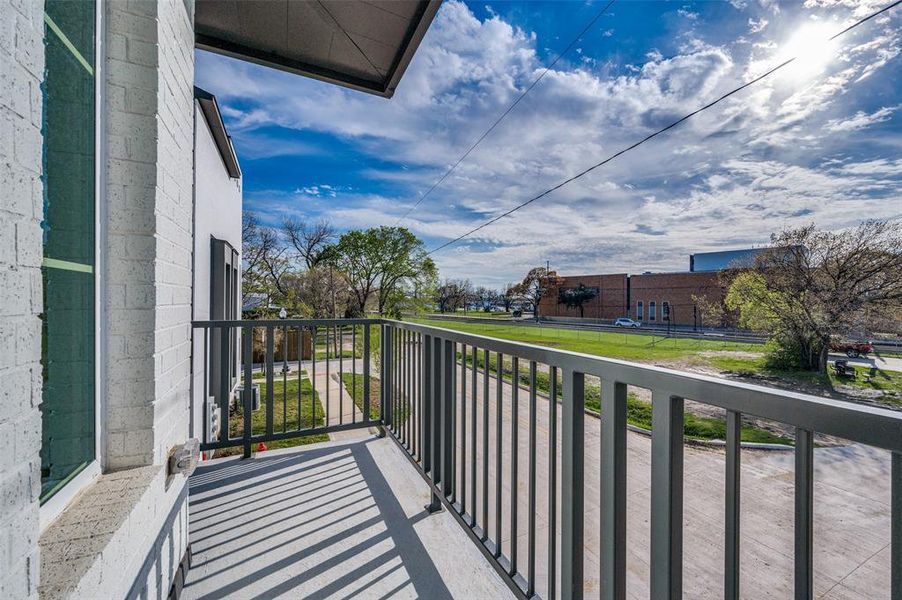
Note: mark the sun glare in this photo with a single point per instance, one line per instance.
(812, 48)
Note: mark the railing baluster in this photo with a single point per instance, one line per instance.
(366, 372)
(485, 444)
(613, 490)
(896, 527)
(425, 424)
(499, 430)
(804, 514)
(341, 372)
(354, 373)
(312, 375)
(552, 486)
(285, 379)
(666, 495)
(731, 496)
(533, 469)
(327, 377)
(248, 395)
(408, 406)
(572, 477)
(205, 418)
(515, 426)
(224, 383)
(269, 366)
(447, 419)
(451, 360)
(463, 428)
(473, 431)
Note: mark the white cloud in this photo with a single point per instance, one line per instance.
(767, 157)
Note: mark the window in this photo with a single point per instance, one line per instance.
(651, 310)
(224, 277)
(69, 436)
(665, 311)
(639, 313)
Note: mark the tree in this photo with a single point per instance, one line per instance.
(813, 285)
(320, 292)
(509, 297)
(537, 284)
(577, 297)
(264, 257)
(380, 262)
(453, 294)
(487, 297)
(309, 240)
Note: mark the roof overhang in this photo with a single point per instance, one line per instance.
(210, 108)
(363, 45)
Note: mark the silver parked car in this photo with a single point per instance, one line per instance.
(625, 322)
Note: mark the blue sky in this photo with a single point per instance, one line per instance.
(819, 142)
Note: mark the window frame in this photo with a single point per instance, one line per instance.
(53, 506)
(652, 310)
(640, 310)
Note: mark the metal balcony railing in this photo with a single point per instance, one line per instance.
(442, 397)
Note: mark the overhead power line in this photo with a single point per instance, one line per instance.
(656, 133)
(501, 117)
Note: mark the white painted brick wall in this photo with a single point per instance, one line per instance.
(21, 74)
(150, 75)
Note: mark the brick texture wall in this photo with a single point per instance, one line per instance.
(21, 74)
(609, 304)
(677, 289)
(150, 74)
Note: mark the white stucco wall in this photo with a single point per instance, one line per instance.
(21, 252)
(217, 214)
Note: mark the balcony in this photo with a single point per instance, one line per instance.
(522, 500)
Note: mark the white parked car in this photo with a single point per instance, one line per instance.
(624, 322)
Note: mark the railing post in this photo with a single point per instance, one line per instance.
(366, 372)
(613, 490)
(385, 386)
(247, 399)
(666, 496)
(431, 438)
(896, 527)
(572, 502)
(804, 514)
(446, 367)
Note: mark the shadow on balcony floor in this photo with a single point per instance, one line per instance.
(335, 520)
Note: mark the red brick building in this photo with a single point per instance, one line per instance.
(654, 295)
(646, 297)
(610, 301)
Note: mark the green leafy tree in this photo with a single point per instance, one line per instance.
(813, 285)
(577, 297)
(385, 263)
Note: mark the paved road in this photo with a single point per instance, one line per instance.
(887, 363)
(852, 510)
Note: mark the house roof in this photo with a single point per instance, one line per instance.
(210, 108)
(364, 45)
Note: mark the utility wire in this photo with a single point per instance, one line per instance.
(350, 39)
(656, 133)
(485, 134)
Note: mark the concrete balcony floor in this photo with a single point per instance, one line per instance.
(335, 520)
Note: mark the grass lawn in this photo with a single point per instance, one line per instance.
(638, 411)
(354, 385)
(627, 346)
(286, 414)
(888, 382)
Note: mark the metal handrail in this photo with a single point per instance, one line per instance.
(432, 405)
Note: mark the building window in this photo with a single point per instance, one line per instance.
(639, 314)
(665, 311)
(68, 354)
(651, 311)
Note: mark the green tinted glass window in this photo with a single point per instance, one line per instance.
(68, 407)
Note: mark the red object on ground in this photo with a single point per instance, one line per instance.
(261, 447)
